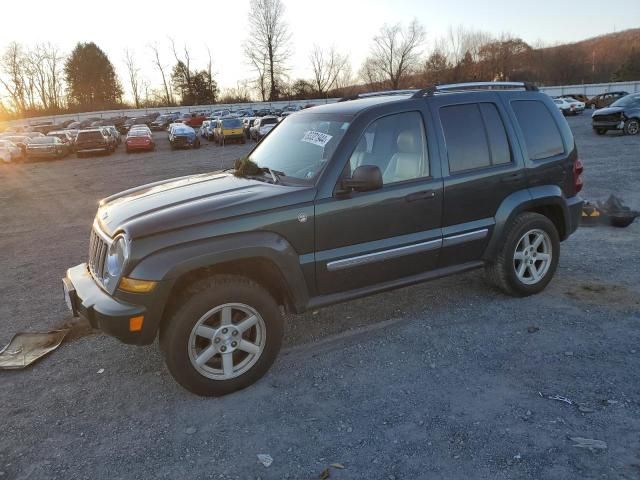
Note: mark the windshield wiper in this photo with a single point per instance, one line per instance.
(275, 174)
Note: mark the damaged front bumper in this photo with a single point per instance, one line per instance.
(114, 317)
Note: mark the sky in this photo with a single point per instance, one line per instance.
(348, 24)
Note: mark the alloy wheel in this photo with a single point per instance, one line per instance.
(227, 341)
(532, 257)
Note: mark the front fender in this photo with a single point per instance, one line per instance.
(169, 264)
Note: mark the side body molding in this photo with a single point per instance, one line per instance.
(170, 263)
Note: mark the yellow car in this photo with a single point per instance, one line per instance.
(228, 129)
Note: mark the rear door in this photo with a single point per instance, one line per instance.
(367, 238)
(481, 164)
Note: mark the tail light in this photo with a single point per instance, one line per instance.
(578, 168)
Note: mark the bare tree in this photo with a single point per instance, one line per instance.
(326, 65)
(14, 83)
(371, 74)
(396, 51)
(134, 77)
(54, 61)
(168, 97)
(269, 40)
(345, 81)
(259, 64)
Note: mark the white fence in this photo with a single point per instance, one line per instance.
(590, 89)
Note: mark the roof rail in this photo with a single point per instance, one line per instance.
(458, 87)
(379, 94)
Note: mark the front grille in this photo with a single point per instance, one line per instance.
(612, 117)
(97, 254)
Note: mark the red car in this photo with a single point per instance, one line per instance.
(194, 119)
(139, 140)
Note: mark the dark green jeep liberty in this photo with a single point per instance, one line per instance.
(337, 202)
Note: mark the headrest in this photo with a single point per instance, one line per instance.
(407, 142)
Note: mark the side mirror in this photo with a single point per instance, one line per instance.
(364, 179)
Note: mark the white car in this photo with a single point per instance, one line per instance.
(567, 107)
(9, 151)
(262, 126)
(580, 105)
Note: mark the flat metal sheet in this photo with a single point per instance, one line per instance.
(25, 348)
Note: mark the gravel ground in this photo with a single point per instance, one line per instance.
(439, 380)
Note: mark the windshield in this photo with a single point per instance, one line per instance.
(268, 121)
(301, 145)
(231, 123)
(626, 101)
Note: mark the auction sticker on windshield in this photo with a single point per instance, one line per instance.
(317, 138)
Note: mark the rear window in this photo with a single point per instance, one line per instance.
(90, 136)
(44, 140)
(540, 131)
(231, 123)
(268, 121)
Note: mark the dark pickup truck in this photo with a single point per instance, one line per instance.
(335, 203)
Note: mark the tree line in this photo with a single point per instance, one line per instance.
(43, 80)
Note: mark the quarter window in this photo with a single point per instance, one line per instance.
(540, 131)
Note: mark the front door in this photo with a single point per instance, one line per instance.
(367, 238)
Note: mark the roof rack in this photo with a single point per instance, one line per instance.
(384, 93)
(459, 87)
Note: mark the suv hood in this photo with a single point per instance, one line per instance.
(186, 201)
(607, 111)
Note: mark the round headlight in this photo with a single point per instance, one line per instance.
(117, 256)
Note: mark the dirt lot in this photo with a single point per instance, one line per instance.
(442, 380)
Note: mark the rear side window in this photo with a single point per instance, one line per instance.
(540, 131)
(475, 136)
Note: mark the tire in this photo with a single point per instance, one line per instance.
(600, 131)
(502, 271)
(201, 305)
(244, 140)
(632, 126)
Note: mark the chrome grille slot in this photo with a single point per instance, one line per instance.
(98, 247)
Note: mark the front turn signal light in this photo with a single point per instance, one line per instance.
(134, 285)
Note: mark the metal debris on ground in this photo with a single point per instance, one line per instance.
(532, 329)
(101, 371)
(559, 398)
(25, 348)
(265, 459)
(324, 474)
(617, 212)
(589, 443)
(337, 465)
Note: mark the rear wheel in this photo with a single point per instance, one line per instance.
(528, 258)
(632, 126)
(223, 336)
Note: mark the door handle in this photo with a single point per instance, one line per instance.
(425, 195)
(512, 177)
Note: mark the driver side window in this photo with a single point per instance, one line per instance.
(397, 145)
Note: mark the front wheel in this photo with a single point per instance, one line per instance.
(632, 126)
(223, 336)
(528, 258)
